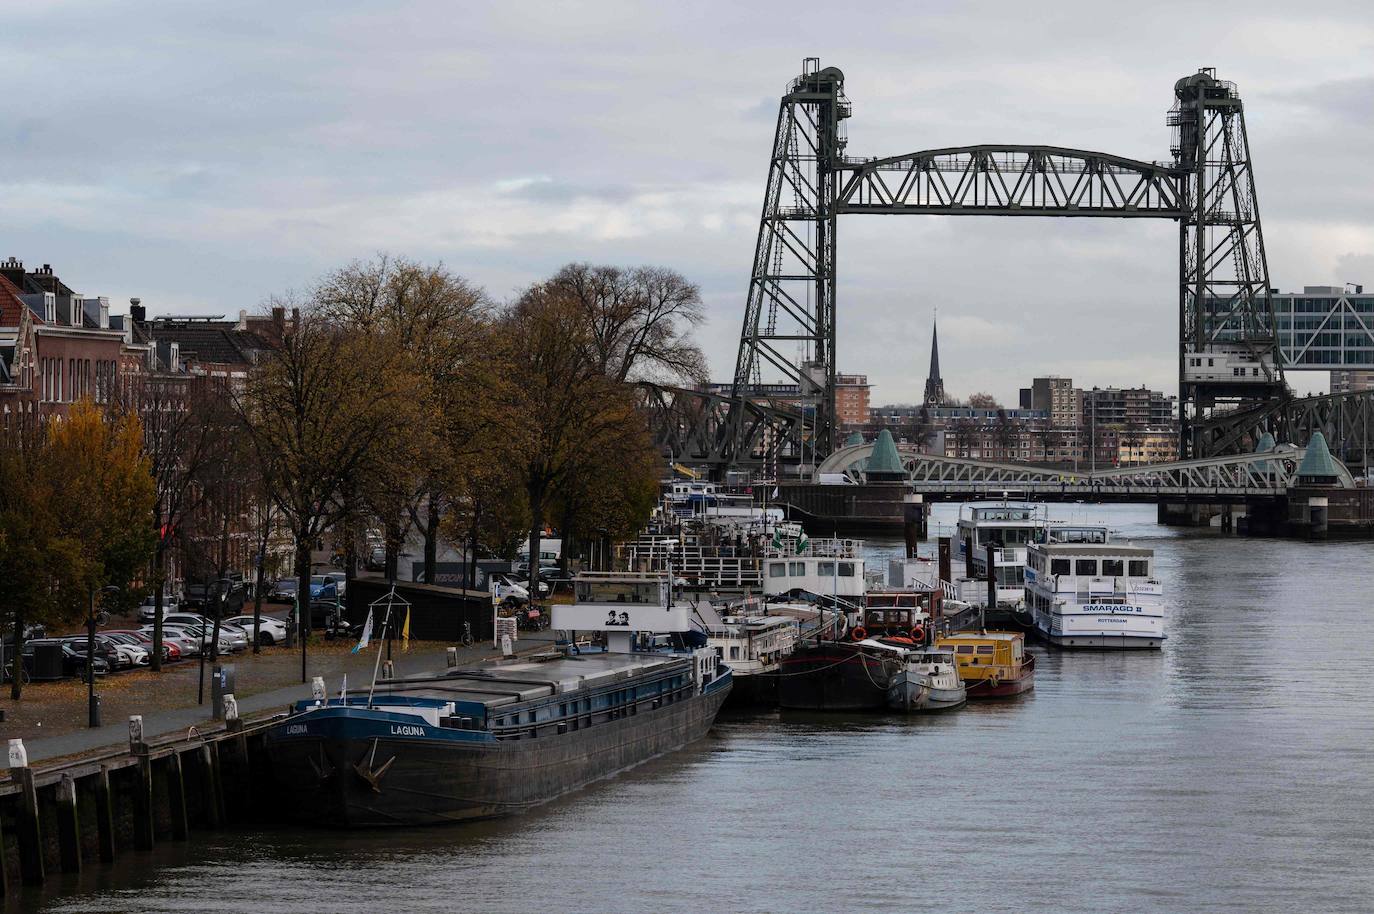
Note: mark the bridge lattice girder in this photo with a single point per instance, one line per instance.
(1244, 475)
(1346, 420)
(1011, 181)
(708, 429)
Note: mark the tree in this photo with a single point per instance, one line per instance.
(637, 320)
(316, 408)
(983, 401)
(571, 413)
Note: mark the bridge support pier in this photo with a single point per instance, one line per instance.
(1174, 514)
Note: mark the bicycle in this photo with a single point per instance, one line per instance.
(467, 634)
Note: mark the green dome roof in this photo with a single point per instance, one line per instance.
(1317, 463)
(884, 458)
(1266, 443)
(853, 439)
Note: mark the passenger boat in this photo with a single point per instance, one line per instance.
(752, 642)
(825, 567)
(992, 664)
(504, 736)
(1009, 529)
(928, 681)
(1095, 595)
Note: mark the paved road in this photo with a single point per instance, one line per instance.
(179, 720)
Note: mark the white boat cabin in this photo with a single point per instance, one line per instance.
(825, 567)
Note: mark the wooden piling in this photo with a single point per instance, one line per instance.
(30, 834)
(176, 798)
(68, 826)
(104, 816)
(209, 791)
(4, 876)
(143, 804)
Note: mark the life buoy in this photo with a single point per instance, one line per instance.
(918, 633)
(859, 634)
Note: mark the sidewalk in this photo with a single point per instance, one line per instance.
(51, 718)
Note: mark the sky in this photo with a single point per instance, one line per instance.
(206, 156)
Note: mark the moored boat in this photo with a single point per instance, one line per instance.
(992, 664)
(1091, 595)
(504, 736)
(927, 681)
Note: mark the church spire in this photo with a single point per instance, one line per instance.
(935, 385)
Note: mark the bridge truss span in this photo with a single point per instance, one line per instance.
(1011, 181)
(1270, 473)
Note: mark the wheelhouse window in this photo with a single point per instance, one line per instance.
(1059, 566)
(777, 569)
(1085, 567)
(846, 569)
(825, 569)
(1113, 568)
(798, 569)
(1140, 568)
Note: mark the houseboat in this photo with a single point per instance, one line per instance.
(1095, 595)
(1009, 529)
(824, 567)
(501, 737)
(992, 664)
(753, 642)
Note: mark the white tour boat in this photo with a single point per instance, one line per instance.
(1095, 595)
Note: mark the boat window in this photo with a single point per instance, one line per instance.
(1140, 568)
(1059, 566)
(1016, 649)
(846, 569)
(734, 652)
(777, 570)
(1085, 567)
(1112, 568)
(798, 569)
(966, 648)
(825, 569)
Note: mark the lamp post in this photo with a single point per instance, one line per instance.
(92, 705)
(213, 635)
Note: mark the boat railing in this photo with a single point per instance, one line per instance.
(1085, 589)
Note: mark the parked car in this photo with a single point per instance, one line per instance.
(147, 610)
(322, 588)
(74, 656)
(202, 636)
(189, 646)
(325, 614)
(340, 582)
(508, 587)
(171, 650)
(271, 630)
(283, 591)
(376, 558)
(127, 656)
(236, 637)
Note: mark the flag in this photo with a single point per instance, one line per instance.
(776, 491)
(343, 692)
(802, 542)
(367, 634)
(777, 538)
(405, 632)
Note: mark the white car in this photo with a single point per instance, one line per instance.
(148, 610)
(271, 631)
(507, 587)
(236, 637)
(201, 635)
(126, 655)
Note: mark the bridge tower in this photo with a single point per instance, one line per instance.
(1228, 343)
(789, 318)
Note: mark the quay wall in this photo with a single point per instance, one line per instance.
(60, 817)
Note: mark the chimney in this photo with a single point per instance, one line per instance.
(137, 313)
(243, 319)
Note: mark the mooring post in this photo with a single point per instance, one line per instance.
(176, 797)
(4, 877)
(143, 804)
(104, 816)
(217, 762)
(68, 827)
(29, 834)
(208, 792)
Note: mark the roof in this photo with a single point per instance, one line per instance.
(884, 458)
(12, 307)
(1089, 550)
(219, 342)
(1318, 463)
(854, 439)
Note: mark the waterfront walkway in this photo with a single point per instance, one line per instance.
(51, 717)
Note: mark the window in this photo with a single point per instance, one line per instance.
(846, 569)
(798, 569)
(777, 569)
(1059, 566)
(1140, 568)
(1085, 567)
(825, 569)
(1112, 568)
(734, 652)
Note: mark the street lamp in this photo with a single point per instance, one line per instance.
(92, 705)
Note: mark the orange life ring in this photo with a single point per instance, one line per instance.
(918, 633)
(859, 634)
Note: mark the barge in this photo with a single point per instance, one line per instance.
(505, 736)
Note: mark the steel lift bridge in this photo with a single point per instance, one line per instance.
(1230, 371)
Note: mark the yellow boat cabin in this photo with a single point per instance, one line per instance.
(992, 664)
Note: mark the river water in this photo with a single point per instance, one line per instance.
(1231, 771)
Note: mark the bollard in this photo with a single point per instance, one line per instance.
(136, 744)
(68, 826)
(19, 756)
(505, 646)
(104, 816)
(388, 670)
(30, 835)
(232, 723)
(176, 797)
(452, 657)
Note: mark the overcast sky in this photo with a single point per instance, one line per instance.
(204, 156)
